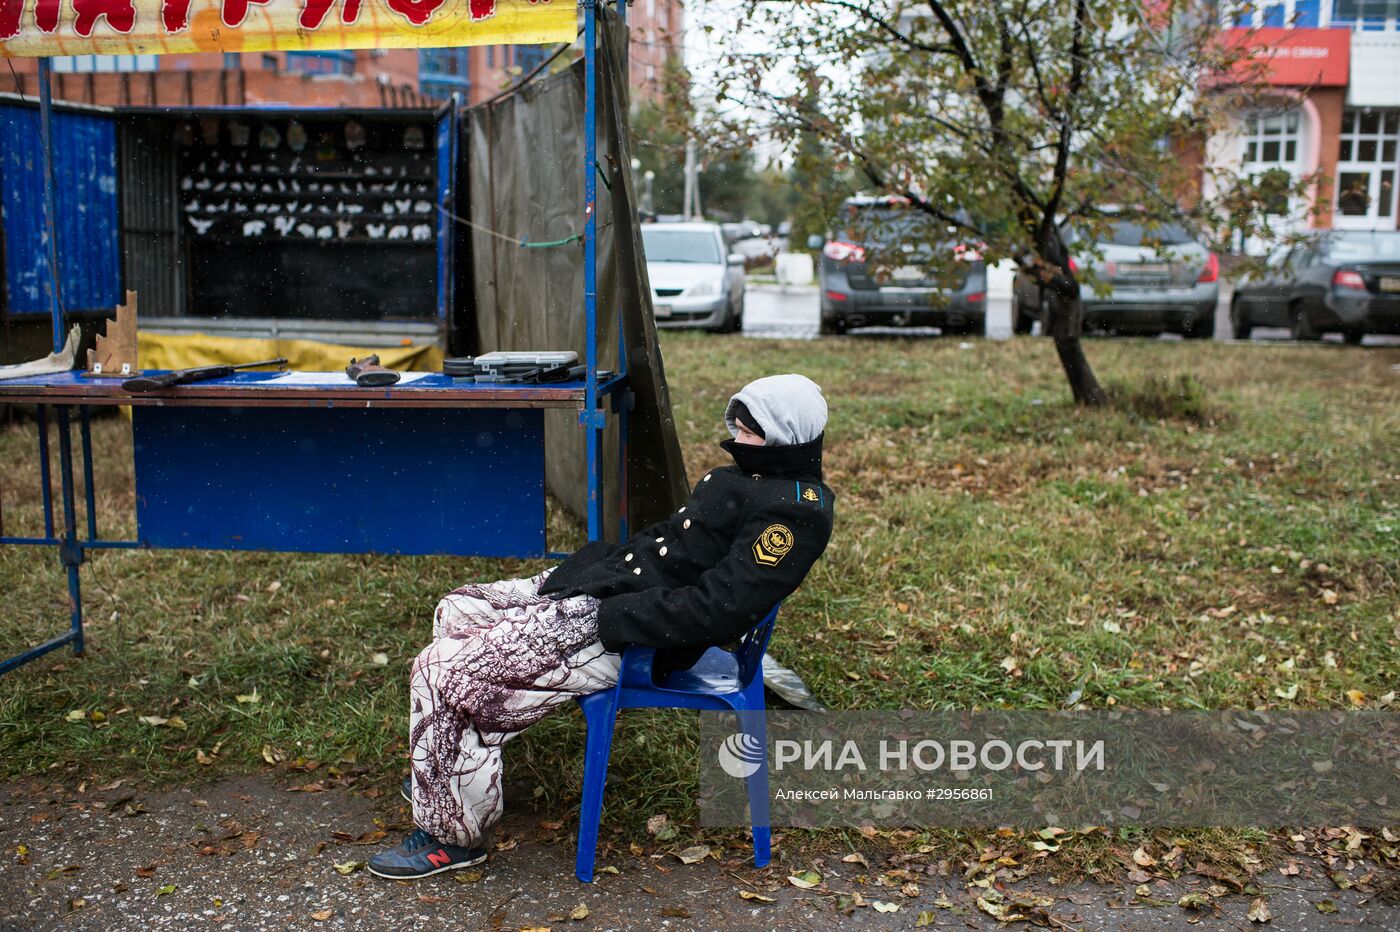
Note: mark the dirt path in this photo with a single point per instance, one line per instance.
(248, 854)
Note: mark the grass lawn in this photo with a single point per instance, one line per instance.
(1226, 535)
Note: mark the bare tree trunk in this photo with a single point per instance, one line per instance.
(1066, 325)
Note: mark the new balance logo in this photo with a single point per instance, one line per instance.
(439, 858)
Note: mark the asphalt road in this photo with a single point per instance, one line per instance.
(793, 312)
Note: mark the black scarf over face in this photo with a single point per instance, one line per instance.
(795, 461)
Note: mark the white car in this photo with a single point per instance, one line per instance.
(694, 282)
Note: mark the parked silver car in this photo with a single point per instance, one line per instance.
(1344, 280)
(1148, 282)
(694, 282)
(855, 295)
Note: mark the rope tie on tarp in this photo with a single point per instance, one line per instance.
(523, 241)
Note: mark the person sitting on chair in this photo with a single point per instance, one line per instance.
(506, 653)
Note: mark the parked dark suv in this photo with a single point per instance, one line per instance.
(853, 294)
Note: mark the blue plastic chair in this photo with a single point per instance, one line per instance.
(720, 680)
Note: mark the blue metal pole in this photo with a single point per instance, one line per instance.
(85, 431)
(45, 480)
(70, 552)
(590, 418)
(51, 281)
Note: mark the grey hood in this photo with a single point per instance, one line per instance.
(789, 408)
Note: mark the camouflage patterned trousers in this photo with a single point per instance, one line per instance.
(502, 657)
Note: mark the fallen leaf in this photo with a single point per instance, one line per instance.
(76, 715)
(883, 907)
(579, 912)
(1326, 906)
(321, 915)
(1356, 696)
(202, 759)
(274, 585)
(468, 876)
(694, 854)
(805, 880)
(925, 919)
(1195, 901)
(675, 912)
(247, 698)
(348, 867)
(1141, 857)
(1329, 596)
(1287, 692)
(759, 897)
(1259, 911)
(168, 888)
(154, 721)
(856, 857)
(379, 659)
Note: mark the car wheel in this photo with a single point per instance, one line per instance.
(1239, 322)
(832, 326)
(1300, 327)
(1199, 328)
(1354, 335)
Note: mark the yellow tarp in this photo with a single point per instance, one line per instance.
(158, 351)
(132, 27)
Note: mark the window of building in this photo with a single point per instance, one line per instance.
(339, 61)
(443, 72)
(1366, 165)
(269, 61)
(1365, 15)
(1271, 140)
(87, 63)
(1272, 144)
(651, 9)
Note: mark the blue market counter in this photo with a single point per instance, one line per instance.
(308, 462)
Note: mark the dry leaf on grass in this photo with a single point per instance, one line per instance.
(694, 854)
(758, 897)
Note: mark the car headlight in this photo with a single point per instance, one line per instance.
(699, 289)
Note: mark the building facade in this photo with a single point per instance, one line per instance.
(349, 78)
(1333, 67)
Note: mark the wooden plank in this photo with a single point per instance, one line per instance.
(114, 356)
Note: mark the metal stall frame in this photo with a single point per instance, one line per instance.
(589, 397)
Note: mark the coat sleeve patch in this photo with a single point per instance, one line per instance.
(772, 545)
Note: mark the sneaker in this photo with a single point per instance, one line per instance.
(422, 855)
(406, 789)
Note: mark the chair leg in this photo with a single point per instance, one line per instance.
(600, 711)
(751, 722)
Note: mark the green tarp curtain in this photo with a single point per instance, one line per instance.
(524, 180)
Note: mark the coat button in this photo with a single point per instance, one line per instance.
(682, 509)
(707, 478)
(757, 476)
(663, 551)
(637, 571)
(686, 523)
(627, 559)
(660, 539)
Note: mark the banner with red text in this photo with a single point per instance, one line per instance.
(124, 27)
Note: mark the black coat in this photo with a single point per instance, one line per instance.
(710, 572)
